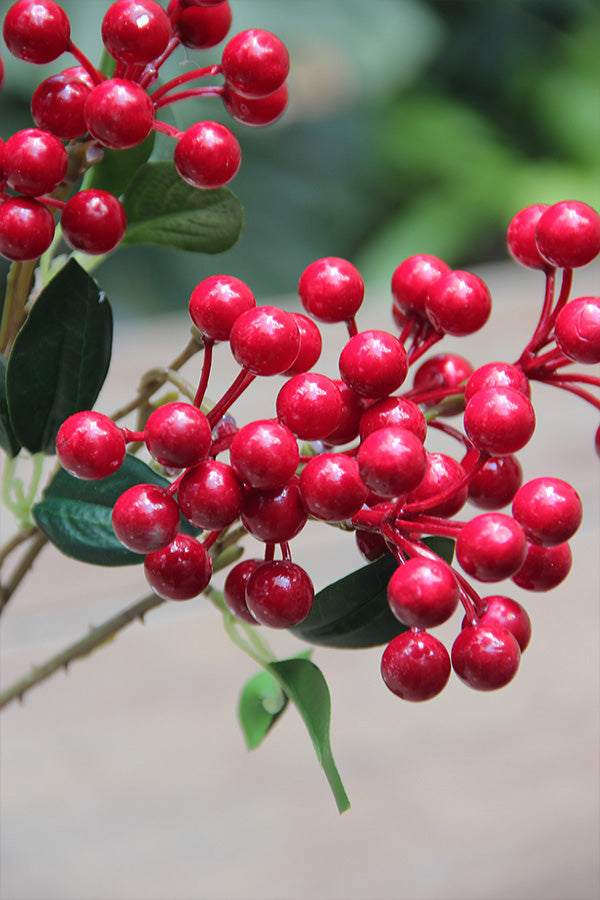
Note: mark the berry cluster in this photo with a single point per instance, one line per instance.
(80, 111)
(352, 450)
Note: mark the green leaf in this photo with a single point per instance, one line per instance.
(117, 167)
(353, 612)
(8, 440)
(76, 515)
(60, 357)
(163, 209)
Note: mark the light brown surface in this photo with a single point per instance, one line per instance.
(128, 779)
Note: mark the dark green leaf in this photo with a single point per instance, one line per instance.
(353, 612)
(163, 209)
(118, 167)
(8, 440)
(76, 515)
(60, 357)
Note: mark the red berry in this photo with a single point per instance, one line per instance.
(370, 544)
(264, 454)
(415, 666)
(497, 374)
(255, 63)
(331, 289)
(373, 363)
(90, 446)
(310, 405)
(180, 571)
(145, 518)
(423, 592)
(135, 31)
(548, 509)
(258, 111)
(234, 589)
(491, 547)
(499, 420)
(207, 155)
(217, 302)
(544, 567)
(34, 162)
(26, 228)
(58, 103)
(445, 370)
(279, 594)
(506, 613)
(332, 488)
(443, 474)
(36, 31)
(210, 495)
(119, 113)
(201, 27)
(520, 236)
(392, 461)
(496, 482)
(310, 345)
(265, 340)
(93, 221)
(412, 280)
(568, 234)
(458, 303)
(274, 516)
(393, 411)
(178, 435)
(577, 330)
(485, 657)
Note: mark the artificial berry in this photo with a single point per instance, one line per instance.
(201, 27)
(353, 406)
(439, 372)
(458, 303)
(265, 340)
(135, 31)
(26, 228)
(215, 304)
(568, 234)
(234, 589)
(392, 461)
(485, 657)
(310, 345)
(412, 280)
(145, 518)
(119, 113)
(507, 613)
(444, 475)
(499, 420)
(279, 594)
(332, 488)
(210, 495)
(180, 571)
(544, 567)
(264, 454)
(255, 63)
(36, 31)
(58, 103)
(373, 363)
(310, 405)
(520, 236)
(90, 446)
(415, 666)
(34, 162)
(497, 374)
(423, 592)
(496, 482)
(331, 289)
(393, 411)
(207, 155)
(491, 547)
(257, 111)
(548, 509)
(93, 221)
(274, 516)
(371, 545)
(577, 330)
(178, 435)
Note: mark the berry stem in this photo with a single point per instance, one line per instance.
(82, 59)
(470, 599)
(352, 327)
(433, 525)
(542, 328)
(167, 129)
(150, 73)
(447, 493)
(417, 350)
(215, 90)
(236, 389)
(194, 75)
(205, 374)
(560, 382)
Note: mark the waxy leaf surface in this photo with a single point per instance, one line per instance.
(8, 439)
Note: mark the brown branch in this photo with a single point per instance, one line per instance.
(6, 591)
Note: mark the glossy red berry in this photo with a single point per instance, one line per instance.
(264, 454)
(520, 236)
(499, 420)
(135, 31)
(497, 374)
(257, 111)
(265, 340)
(255, 63)
(353, 406)
(119, 113)
(207, 155)
(443, 476)
(145, 518)
(392, 461)
(93, 221)
(458, 303)
(568, 234)
(496, 482)
(332, 488)
(279, 594)
(58, 103)
(201, 27)
(485, 657)
(34, 162)
(217, 302)
(577, 330)
(36, 31)
(544, 567)
(210, 495)
(491, 547)
(507, 613)
(90, 446)
(180, 571)
(413, 279)
(393, 411)
(371, 544)
(444, 370)
(310, 405)
(548, 509)
(234, 589)
(331, 289)
(26, 228)
(310, 345)
(178, 435)
(373, 363)
(274, 516)
(415, 666)
(423, 592)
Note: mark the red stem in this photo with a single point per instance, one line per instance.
(540, 329)
(170, 130)
(150, 73)
(96, 76)
(416, 352)
(236, 389)
(194, 75)
(558, 381)
(204, 376)
(211, 537)
(351, 326)
(213, 90)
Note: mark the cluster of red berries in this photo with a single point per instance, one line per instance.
(89, 111)
(367, 466)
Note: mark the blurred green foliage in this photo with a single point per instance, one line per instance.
(413, 126)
